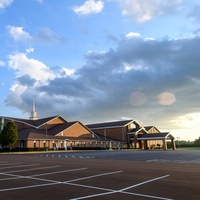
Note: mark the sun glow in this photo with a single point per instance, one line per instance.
(187, 126)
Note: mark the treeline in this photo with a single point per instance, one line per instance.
(183, 143)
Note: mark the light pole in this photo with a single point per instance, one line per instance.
(178, 142)
(46, 137)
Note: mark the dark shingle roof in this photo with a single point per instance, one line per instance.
(60, 127)
(148, 127)
(153, 136)
(34, 123)
(31, 133)
(109, 124)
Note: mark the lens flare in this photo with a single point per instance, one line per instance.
(137, 98)
(166, 98)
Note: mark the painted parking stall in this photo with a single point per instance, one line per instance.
(109, 175)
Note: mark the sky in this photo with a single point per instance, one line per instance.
(103, 60)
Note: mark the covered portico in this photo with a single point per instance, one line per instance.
(143, 139)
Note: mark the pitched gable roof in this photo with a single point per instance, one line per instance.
(154, 136)
(35, 134)
(148, 128)
(34, 123)
(137, 130)
(60, 127)
(113, 124)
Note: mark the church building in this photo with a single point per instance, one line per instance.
(57, 133)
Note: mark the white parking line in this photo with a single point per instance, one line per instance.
(88, 177)
(31, 186)
(122, 190)
(173, 161)
(155, 179)
(57, 172)
(107, 191)
(32, 169)
(6, 179)
(18, 166)
(33, 178)
(148, 196)
(17, 163)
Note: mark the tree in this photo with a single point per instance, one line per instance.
(197, 142)
(9, 134)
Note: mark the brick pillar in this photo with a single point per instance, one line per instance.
(173, 144)
(145, 144)
(135, 141)
(164, 144)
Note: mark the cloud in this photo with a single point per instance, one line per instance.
(2, 63)
(132, 35)
(194, 13)
(26, 66)
(26, 80)
(18, 34)
(150, 80)
(30, 76)
(89, 7)
(46, 35)
(5, 3)
(142, 11)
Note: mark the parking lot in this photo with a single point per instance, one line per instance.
(101, 175)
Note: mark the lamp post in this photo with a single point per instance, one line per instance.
(178, 142)
(46, 137)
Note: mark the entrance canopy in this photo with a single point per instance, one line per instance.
(155, 136)
(158, 136)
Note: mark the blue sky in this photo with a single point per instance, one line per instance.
(103, 60)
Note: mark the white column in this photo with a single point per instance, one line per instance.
(65, 146)
(2, 123)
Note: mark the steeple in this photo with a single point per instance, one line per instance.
(33, 112)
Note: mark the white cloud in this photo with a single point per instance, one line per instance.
(145, 71)
(89, 7)
(18, 34)
(30, 50)
(143, 11)
(133, 35)
(28, 66)
(2, 63)
(149, 39)
(30, 75)
(68, 71)
(5, 3)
